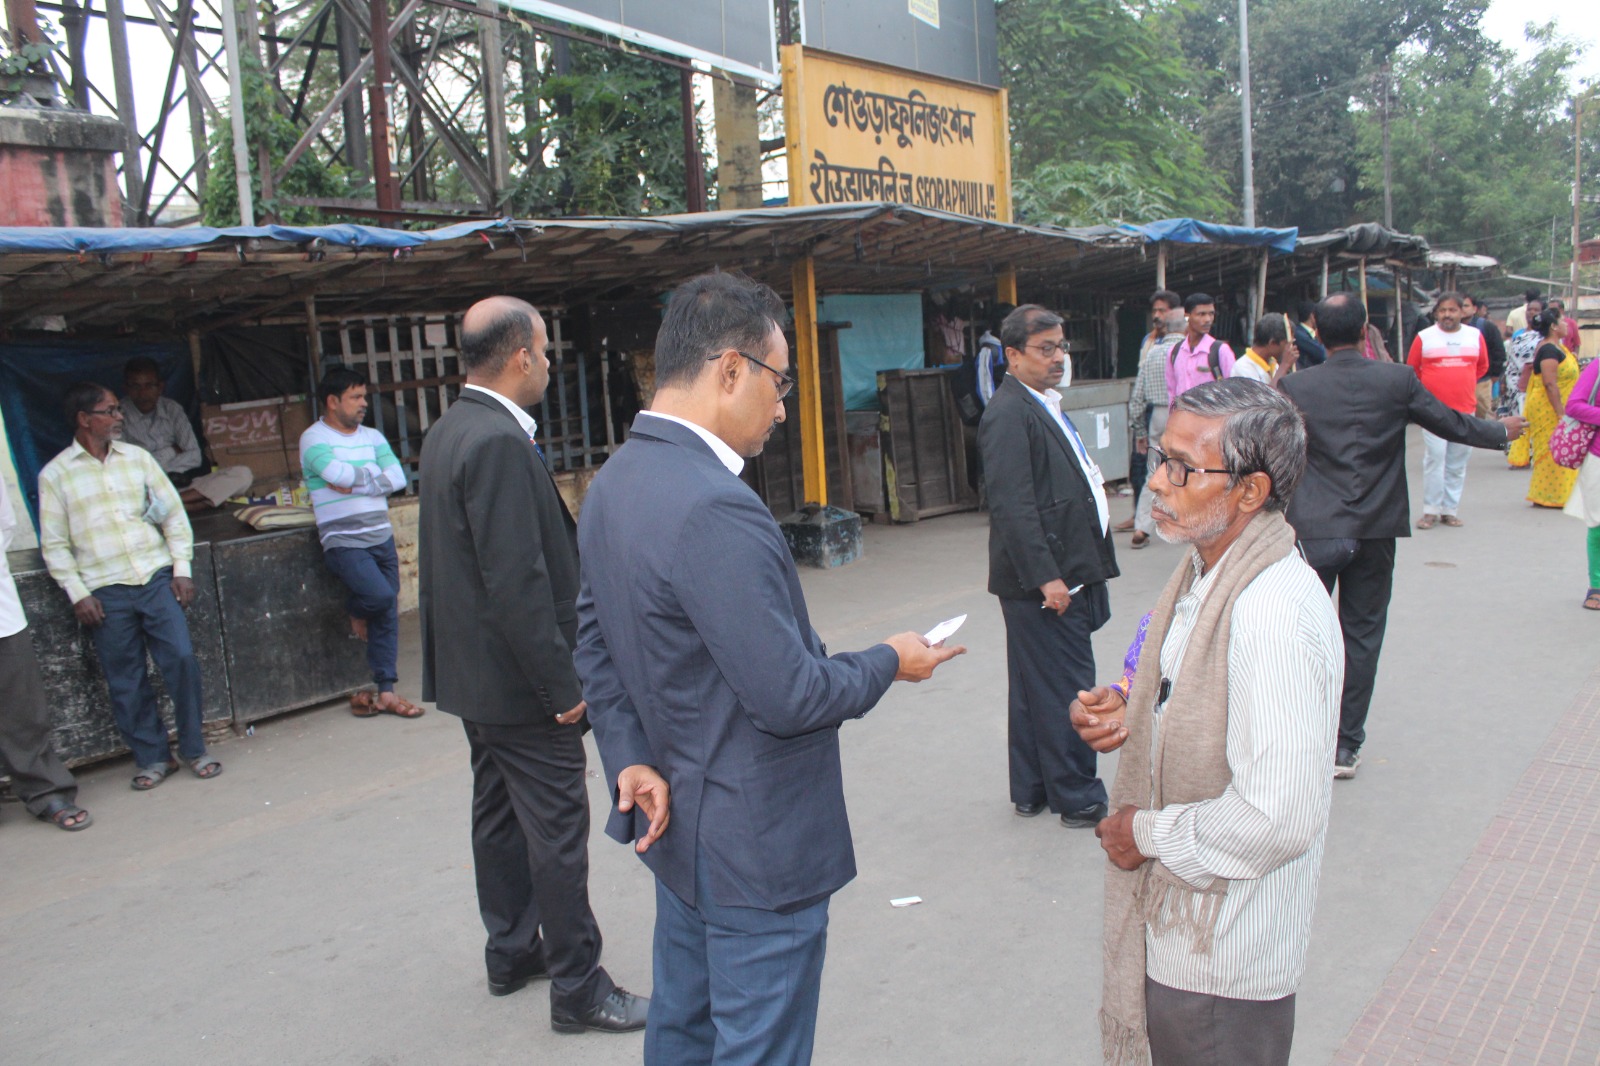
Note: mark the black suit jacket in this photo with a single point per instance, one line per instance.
(498, 568)
(698, 658)
(1312, 353)
(1356, 413)
(1043, 524)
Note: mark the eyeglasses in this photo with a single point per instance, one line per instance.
(785, 381)
(113, 411)
(1177, 470)
(1050, 348)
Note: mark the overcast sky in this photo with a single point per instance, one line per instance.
(1505, 20)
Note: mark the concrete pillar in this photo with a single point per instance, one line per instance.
(57, 169)
(738, 143)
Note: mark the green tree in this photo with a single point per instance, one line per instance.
(265, 124)
(1482, 160)
(1314, 68)
(611, 140)
(1103, 109)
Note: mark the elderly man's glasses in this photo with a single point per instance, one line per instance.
(113, 411)
(1049, 349)
(1178, 471)
(785, 381)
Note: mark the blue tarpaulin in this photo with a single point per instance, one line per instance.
(123, 241)
(885, 334)
(34, 377)
(1193, 231)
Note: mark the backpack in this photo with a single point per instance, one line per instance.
(1213, 358)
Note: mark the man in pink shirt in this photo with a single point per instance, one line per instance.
(1199, 357)
(1449, 358)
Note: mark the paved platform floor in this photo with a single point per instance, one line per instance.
(315, 903)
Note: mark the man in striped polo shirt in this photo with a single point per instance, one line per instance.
(349, 469)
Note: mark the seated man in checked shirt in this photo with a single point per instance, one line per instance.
(1220, 808)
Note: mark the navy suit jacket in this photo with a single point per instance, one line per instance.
(697, 657)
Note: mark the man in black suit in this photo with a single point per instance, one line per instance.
(1049, 559)
(1312, 352)
(701, 667)
(499, 578)
(1353, 501)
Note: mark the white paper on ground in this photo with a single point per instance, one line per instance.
(944, 630)
(905, 901)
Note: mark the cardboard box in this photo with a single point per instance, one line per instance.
(263, 435)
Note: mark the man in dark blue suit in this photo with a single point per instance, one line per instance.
(704, 676)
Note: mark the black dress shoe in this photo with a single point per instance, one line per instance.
(1087, 818)
(1028, 810)
(519, 976)
(620, 1012)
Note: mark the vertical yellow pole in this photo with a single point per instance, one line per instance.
(1005, 286)
(813, 454)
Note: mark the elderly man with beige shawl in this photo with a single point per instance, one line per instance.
(1227, 723)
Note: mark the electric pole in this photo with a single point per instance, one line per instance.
(1244, 101)
(1388, 188)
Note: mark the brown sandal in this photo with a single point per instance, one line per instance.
(1451, 520)
(364, 704)
(401, 709)
(1427, 521)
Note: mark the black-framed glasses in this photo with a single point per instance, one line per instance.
(1177, 470)
(113, 411)
(1050, 348)
(785, 381)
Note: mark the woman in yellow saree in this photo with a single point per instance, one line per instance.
(1555, 370)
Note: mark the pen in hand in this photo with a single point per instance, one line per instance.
(1073, 591)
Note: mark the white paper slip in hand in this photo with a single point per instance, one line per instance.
(944, 630)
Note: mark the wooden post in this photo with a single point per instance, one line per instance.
(386, 183)
(1261, 285)
(494, 101)
(1363, 276)
(1323, 295)
(694, 165)
(1161, 264)
(1005, 286)
(122, 79)
(241, 151)
(813, 451)
(194, 355)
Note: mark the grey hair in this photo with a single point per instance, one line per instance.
(1174, 320)
(1262, 432)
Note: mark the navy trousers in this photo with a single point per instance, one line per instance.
(140, 618)
(733, 986)
(1049, 658)
(372, 575)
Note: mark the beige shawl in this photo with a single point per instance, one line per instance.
(1194, 727)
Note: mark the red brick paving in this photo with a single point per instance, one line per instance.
(1507, 967)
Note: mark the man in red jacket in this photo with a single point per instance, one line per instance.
(1449, 357)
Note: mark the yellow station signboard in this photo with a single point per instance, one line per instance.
(860, 131)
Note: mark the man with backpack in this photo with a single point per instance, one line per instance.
(1199, 357)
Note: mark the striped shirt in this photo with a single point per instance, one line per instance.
(116, 522)
(1150, 385)
(361, 463)
(1265, 833)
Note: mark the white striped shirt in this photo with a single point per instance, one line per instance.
(1265, 833)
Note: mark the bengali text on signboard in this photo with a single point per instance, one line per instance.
(860, 131)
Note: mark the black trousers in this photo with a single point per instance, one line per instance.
(1049, 658)
(530, 850)
(1192, 1029)
(1364, 578)
(38, 776)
